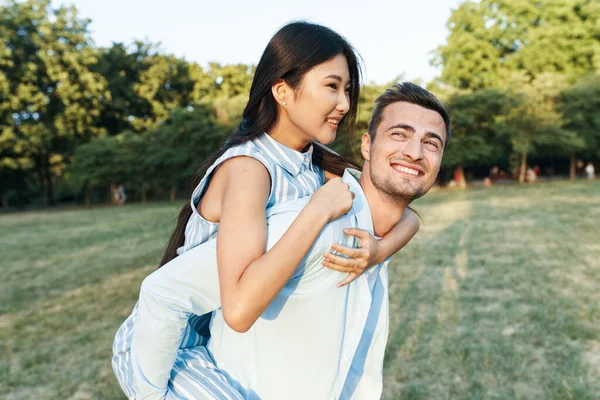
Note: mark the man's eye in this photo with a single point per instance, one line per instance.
(434, 144)
(401, 134)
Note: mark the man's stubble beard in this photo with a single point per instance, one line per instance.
(404, 192)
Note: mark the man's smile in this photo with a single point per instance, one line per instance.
(409, 170)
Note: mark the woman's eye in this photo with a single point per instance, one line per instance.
(333, 86)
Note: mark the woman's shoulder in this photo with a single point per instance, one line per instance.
(247, 149)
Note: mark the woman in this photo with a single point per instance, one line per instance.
(306, 85)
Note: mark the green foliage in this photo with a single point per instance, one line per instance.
(122, 67)
(507, 70)
(51, 99)
(491, 40)
(531, 51)
(478, 123)
(165, 83)
(580, 106)
(180, 145)
(166, 156)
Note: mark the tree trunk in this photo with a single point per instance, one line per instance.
(173, 193)
(523, 168)
(111, 193)
(572, 169)
(4, 200)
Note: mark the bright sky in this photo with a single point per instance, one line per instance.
(394, 37)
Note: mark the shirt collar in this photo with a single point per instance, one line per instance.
(289, 159)
(360, 205)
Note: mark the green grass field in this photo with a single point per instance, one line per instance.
(498, 296)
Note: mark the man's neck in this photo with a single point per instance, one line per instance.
(385, 211)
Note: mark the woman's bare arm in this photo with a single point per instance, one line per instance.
(250, 278)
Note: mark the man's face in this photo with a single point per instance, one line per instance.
(405, 156)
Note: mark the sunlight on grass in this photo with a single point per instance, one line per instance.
(498, 297)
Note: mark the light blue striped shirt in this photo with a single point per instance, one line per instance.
(293, 175)
(314, 341)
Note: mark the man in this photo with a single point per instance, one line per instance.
(590, 171)
(314, 340)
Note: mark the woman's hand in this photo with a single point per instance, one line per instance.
(359, 259)
(333, 199)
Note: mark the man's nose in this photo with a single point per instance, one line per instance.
(413, 149)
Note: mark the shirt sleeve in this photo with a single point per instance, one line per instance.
(188, 284)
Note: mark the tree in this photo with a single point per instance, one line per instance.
(580, 105)
(469, 58)
(166, 156)
(491, 40)
(165, 83)
(536, 123)
(180, 145)
(51, 98)
(478, 124)
(96, 163)
(225, 89)
(122, 67)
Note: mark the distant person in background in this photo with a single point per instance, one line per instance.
(530, 175)
(121, 194)
(116, 196)
(536, 170)
(494, 173)
(590, 171)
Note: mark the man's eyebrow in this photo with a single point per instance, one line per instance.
(435, 136)
(401, 126)
(409, 128)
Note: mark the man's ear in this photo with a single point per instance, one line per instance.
(280, 90)
(365, 146)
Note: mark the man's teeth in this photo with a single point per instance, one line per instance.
(332, 121)
(408, 170)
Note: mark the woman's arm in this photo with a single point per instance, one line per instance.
(372, 251)
(249, 278)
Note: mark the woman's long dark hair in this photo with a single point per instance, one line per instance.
(292, 52)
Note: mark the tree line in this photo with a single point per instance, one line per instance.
(520, 78)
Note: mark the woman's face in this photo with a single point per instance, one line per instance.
(317, 106)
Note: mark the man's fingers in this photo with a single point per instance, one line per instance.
(337, 267)
(351, 276)
(359, 233)
(347, 251)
